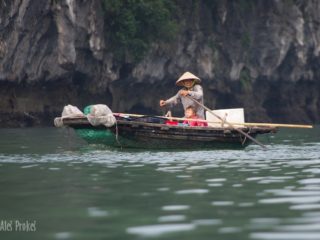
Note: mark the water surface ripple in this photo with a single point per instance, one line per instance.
(79, 191)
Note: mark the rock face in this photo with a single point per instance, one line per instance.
(260, 55)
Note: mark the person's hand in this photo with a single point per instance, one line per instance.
(183, 93)
(162, 103)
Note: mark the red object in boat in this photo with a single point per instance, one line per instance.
(168, 122)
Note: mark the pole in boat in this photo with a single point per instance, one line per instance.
(234, 123)
(237, 129)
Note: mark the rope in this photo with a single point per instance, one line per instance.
(117, 135)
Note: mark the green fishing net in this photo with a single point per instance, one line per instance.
(96, 135)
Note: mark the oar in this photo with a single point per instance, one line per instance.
(234, 123)
(274, 125)
(220, 118)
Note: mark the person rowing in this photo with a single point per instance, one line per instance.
(192, 88)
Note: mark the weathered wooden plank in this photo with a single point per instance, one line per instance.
(152, 134)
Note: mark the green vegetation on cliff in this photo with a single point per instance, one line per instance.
(132, 25)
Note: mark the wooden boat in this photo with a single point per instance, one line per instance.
(152, 132)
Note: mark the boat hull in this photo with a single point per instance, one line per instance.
(134, 134)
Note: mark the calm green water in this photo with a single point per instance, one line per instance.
(69, 190)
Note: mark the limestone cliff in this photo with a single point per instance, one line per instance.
(260, 55)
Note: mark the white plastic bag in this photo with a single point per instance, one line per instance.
(71, 111)
(68, 111)
(101, 115)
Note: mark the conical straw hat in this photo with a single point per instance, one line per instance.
(187, 76)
